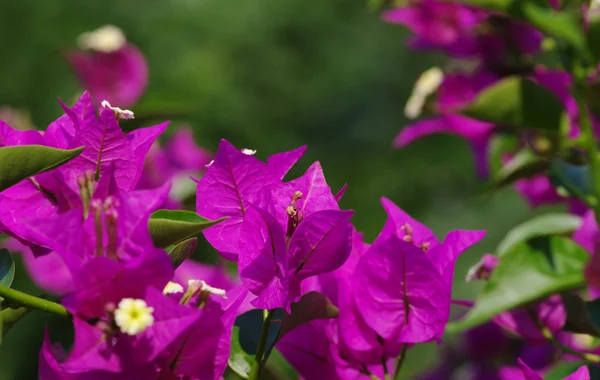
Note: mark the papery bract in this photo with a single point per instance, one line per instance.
(231, 183)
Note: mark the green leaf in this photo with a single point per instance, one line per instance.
(240, 361)
(7, 268)
(182, 251)
(576, 179)
(541, 225)
(517, 102)
(524, 164)
(168, 227)
(245, 337)
(530, 271)
(23, 161)
(313, 305)
(582, 317)
(562, 370)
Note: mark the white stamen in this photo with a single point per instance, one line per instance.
(122, 114)
(210, 163)
(204, 287)
(249, 152)
(106, 39)
(172, 288)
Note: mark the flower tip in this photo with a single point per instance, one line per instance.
(119, 113)
(172, 288)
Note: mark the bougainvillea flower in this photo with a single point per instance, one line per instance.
(274, 269)
(406, 278)
(550, 312)
(477, 133)
(440, 25)
(105, 145)
(139, 329)
(582, 373)
(110, 67)
(203, 352)
(232, 182)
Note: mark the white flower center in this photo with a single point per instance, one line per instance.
(249, 152)
(106, 39)
(133, 316)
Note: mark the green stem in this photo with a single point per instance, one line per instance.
(260, 350)
(400, 361)
(590, 144)
(32, 302)
(593, 358)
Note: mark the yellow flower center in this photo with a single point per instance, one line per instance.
(133, 316)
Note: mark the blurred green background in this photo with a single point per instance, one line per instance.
(269, 75)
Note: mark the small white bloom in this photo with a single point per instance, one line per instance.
(133, 316)
(427, 83)
(249, 152)
(122, 114)
(172, 288)
(204, 287)
(105, 39)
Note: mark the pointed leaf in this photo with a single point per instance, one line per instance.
(7, 268)
(528, 272)
(582, 317)
(182, 251)
(20, 162)
(541, 225)
(168, 227)
(313, 305)
(517, 102)
(240, 361)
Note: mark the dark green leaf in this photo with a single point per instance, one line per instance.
(168, 227)
(541, 225)
(582, 317)
(528, 272)
(524, 164)
(182, 251)
(20, 162)
(576, 179)
(313, 305)
(7, 268)
(517, 102)
(246, 335)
